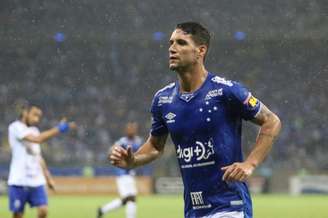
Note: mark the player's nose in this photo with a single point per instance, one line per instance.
(172, 50)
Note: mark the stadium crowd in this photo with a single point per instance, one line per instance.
(107, 76)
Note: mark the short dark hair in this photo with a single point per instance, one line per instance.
(199, 33)
(25, 105)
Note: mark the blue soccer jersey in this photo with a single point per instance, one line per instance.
(205, 127)
(125, 142)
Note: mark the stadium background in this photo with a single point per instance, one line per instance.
(100, 62)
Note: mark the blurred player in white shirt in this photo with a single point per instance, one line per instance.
(28, 173)
(125, 180)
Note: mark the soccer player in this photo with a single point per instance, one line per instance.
(28, 173)
(125, 177)
(203, 113)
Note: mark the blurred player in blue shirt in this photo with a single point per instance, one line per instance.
(125, 180)
(203, 114)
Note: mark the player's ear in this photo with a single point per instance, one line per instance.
(202, 49)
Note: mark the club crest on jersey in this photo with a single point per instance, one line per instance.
(221, 80)
(170, 117)
(214, 93)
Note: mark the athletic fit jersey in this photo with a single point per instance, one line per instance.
(205, 127)
(25, 167)
(125, 142)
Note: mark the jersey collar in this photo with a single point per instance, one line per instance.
(188, 96)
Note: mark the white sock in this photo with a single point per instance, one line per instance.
(131, 210)
(117, 203)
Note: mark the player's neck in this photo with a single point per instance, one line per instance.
(191, 80)
(130, 137)
(23, 120)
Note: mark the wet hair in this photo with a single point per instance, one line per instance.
(199, 33)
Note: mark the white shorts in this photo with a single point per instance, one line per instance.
(231, 214)
(126, 186)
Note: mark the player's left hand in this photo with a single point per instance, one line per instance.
(238, 171)
(72, 125)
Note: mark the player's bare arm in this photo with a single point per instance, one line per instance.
(47, 174)
(149, 151)
(270, 128)
(48, 134)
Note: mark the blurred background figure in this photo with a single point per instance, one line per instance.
(125, 180)
(28, 171)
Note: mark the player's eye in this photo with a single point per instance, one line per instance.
(182, 42)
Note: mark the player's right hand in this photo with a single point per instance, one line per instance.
(51, 184)
(120, 157)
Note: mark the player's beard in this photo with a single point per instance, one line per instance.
(29, 123)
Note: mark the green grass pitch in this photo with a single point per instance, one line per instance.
(162, 206)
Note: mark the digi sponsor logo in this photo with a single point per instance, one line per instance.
(170, 117)
(202, 151)
(213, 93)
(221, 80)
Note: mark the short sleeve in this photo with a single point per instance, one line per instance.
(20, 131)
(158, 126)
(243, 101)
